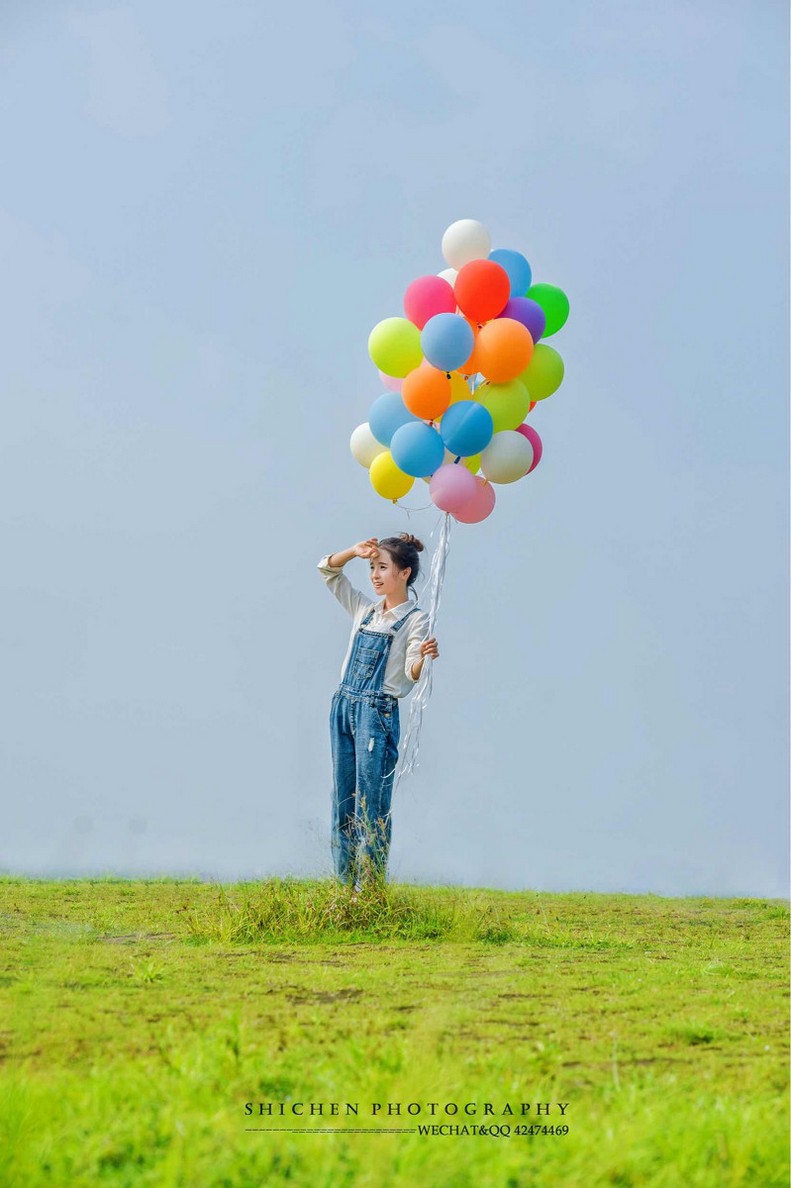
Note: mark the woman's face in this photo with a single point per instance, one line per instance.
(385, 578)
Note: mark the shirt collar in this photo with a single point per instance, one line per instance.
(396, 612)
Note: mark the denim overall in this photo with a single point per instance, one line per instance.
(364, 730)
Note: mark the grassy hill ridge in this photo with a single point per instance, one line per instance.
(143, 1016)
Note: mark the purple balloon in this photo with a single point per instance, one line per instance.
(528, 312)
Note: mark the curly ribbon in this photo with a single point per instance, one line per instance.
(422, 691)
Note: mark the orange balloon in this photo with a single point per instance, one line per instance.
(533, 404)
(426, 391)
(501, 349)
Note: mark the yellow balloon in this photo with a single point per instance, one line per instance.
(394, 346)
(508, 403)
(459, 388)
(387, 479)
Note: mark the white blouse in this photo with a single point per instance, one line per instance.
(405, 648)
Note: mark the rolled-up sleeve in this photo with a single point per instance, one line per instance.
(418, 631)
(338, 584)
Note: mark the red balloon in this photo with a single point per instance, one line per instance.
(482, 290)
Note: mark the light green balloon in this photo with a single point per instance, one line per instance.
(544, 373)
(554, 303)
(394, 346)
(508, 403)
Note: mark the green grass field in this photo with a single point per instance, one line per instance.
(137, 1018)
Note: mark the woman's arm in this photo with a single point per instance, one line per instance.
(338, 560)
(427, 648)
(419, 646)
(337, 582)
(366, 548)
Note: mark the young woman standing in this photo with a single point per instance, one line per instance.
(387, 649)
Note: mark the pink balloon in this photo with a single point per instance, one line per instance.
(480, 506)
(426, 297)
(452, 486)
(529, 432)
(390, 382)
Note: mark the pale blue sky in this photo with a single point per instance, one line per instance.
(205, 209)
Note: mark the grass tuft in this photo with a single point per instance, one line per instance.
(291, 910)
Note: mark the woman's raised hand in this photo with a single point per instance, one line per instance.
(367, 548)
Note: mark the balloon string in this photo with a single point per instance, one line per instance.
(422, 691)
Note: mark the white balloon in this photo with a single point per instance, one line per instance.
(466, 240)
(449, 274)
(508, 457)
(364, 445)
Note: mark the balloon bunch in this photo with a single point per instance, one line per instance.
(462, 371)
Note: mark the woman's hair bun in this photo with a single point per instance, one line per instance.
(412, 540)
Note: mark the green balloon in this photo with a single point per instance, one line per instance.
(555, 305)
(507, 403)
(394, 346)
(544, 373)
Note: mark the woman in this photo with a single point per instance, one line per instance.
(387, 649)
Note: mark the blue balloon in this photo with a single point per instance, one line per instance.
(519, 271)
(417, 449)
(467, 428)
(447, 340)
(388, 413)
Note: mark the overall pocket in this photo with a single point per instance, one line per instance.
(388, 719)
(365, 666)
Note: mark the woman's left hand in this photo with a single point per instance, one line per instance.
(429, 648)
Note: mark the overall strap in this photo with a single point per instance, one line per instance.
(401, 622)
